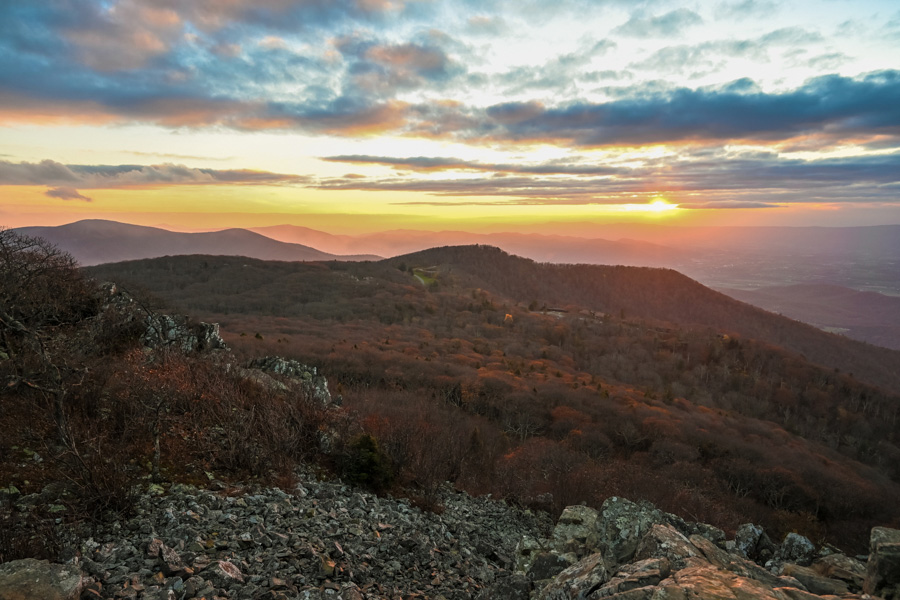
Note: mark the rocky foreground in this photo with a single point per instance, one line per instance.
(328, 540)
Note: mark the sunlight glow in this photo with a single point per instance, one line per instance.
(658, 206)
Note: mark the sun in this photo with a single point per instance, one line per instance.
(657, 206)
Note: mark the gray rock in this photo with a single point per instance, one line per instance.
(843, 568)
(641, 574)
(816, 583)
(526, 551)
(746, 539)
(549, 564)
(177, 332)
(734, 562)
(796, 549)
(31, 579)
(622, 525)
(577, 530)
(310, 380)
(663, 541)
(883, 569)
(578, 581)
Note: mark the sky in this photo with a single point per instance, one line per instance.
(362, 115)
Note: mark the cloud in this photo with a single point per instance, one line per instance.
(728, 204)
(562, 73)
(790, 36)
(832, 107)
(746, 8)
(66, 193)
(385, 68)
(426, 163)
(723, 180)
(66, 178)
(667, 25)
(710, 56)
(342, 68)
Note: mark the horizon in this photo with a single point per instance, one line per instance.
(360, 117)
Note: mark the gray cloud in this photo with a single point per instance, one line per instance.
(66, 193)
(752, 180)
(710, 56)
(66, 178)
(831, 107)
(425, 163)
(746, 8)
(669, 24)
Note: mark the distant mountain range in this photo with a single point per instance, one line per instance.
(806, 273)
(542, 248)
(94, 242)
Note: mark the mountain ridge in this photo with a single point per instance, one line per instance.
(663, 295)
(97, 241)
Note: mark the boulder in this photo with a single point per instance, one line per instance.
(640, 575)
(883, 569)
(796, 549)
(549, 564)
(31, 579)
(621, 527)
(576, 530)
(663, 541)
(733, 562)
(816, 583)
(843, 568)
(709, 583)
(526, 550)
(746, 540)
(578, 581)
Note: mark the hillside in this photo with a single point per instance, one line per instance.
(530, 383)
(660, 295)
(865, 316)
(117, 416)
(93, 242)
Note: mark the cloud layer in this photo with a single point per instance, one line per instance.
(818, 102)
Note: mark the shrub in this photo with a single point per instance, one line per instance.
(366, 465)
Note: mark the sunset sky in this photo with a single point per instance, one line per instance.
(355, 115)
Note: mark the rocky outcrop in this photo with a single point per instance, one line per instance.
(178, 332)
(328, 540)
(31, 579)
(641, 553)
(160, 330)
(314, 384)
(322, 540)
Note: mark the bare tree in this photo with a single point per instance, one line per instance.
(41, 292)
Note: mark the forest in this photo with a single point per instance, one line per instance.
(551, 385)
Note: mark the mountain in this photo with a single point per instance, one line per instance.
(542, 248)
(113, 413)
(93, 242)
(863, 258)
(865, 316)
(661, 295)
(563, 384)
